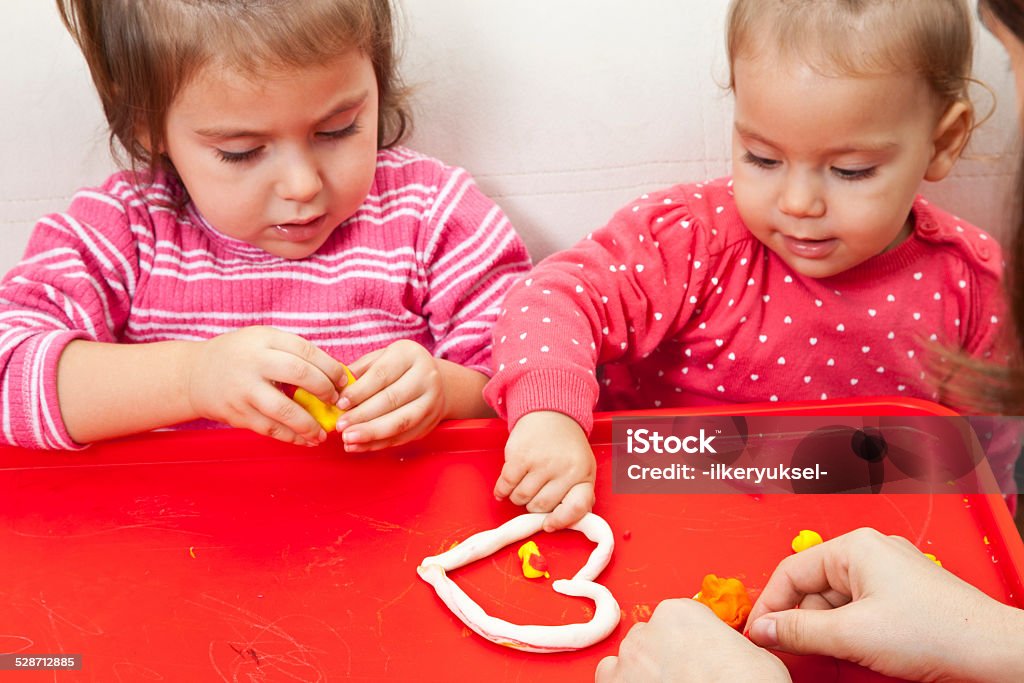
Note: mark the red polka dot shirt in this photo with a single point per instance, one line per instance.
(675, 303)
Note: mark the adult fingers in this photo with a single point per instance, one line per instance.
(605, 672)
(829, 599)
(836, 633)
(799, 575)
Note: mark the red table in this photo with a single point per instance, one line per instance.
(222, 555)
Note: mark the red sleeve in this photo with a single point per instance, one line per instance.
(614, 296)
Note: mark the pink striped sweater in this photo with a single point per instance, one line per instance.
(427, 257)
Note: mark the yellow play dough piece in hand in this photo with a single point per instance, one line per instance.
(805, 539)
(327, 416)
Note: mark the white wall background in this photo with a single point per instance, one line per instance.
(563, 110)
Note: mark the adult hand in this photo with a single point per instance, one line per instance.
(878, 601)
(549, 467)
(233, 378)
(685, 641)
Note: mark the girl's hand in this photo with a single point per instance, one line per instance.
(549, 467)
(685, 641)
(233, 378)
(398, 396)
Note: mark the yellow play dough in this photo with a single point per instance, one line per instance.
(527, 552)
(327, 416)
(805, 539)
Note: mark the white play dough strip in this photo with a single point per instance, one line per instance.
(527, 637)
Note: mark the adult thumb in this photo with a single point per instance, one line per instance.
(800, 631)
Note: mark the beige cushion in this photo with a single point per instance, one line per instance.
(562, 110)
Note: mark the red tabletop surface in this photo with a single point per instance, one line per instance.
(223, 555)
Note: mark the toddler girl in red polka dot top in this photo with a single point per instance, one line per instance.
(814, 272)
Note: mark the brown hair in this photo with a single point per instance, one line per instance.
(931, 38)
(141, 54)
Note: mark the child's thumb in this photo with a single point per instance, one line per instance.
(800, 631)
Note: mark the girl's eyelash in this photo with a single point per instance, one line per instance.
(250, 154)
(760, 162)
(341, 133)
(842, 173)
(859, 174)
(238, 157)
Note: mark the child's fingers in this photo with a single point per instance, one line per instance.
(393, 427)
(361, 364)
(392, 398)
(549, 496)
(286, 414)
(373, 384)
(528, 487)
(512, 473)
(381, 444)
(261, 424)
(288, 368)
(577, 503)
(306, 359)
(256, 421)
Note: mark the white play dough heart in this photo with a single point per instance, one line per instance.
(528, 637)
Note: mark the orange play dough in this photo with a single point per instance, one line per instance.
(727, 598)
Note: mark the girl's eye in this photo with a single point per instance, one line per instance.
(859, 174)
(339, 134)
(238, 157)
(251, 154)
(760, 162)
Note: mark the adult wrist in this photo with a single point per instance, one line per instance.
(992, 641)
(1008, 664)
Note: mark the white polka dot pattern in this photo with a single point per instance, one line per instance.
(683, 306)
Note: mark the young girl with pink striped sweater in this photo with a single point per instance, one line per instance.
(269, 226)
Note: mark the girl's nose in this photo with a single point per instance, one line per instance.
(802, 198)
(299, 179)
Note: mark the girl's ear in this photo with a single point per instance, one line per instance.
(949, 139)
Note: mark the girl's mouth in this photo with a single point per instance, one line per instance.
(810, 249)
(300, 231)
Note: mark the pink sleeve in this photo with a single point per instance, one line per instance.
(615, 296)
(75, 282)
(472, 257)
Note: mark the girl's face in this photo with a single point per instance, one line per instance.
(825, 169)
(279, 160)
